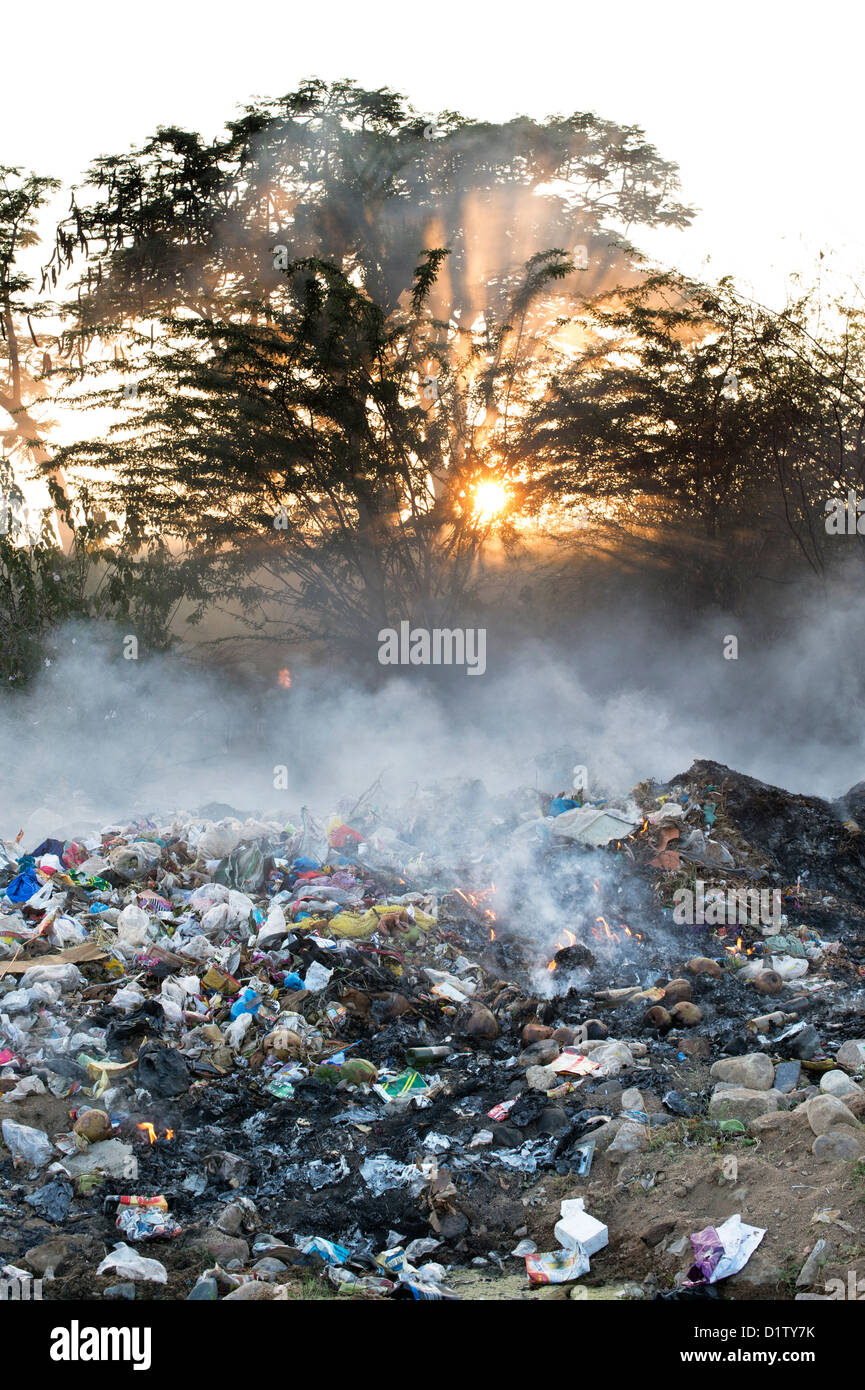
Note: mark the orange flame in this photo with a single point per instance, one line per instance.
(149, 1130)
(570, 940)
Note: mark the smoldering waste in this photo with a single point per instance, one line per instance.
(469, 1046)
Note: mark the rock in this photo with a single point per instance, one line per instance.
(768, 982)
(602, 1135)
(773, 1120)
(482, 1024)
(761, 1272)
(677, 992)
(268, 1265)
(686, 1015)
(540, 1054)
(704, 965)
(810, 1271)
(230, 1219)
(658, 1017)
(535, 1032)
(839, 1144)
(223, 1247)
(631, 1138)
(856, 1105)
(655, 1234)
(552, 1120)
(826, 1111)
(56, 1253)
(453, 1225)
(632, 1100)
(696, 1047)
(740, 1103)
(851, 1054)
(607, 1093)
(805, 1043)
(506, 1136)
(754, 1071)
(596, 1029)
(838, 1084)
(787, 1076)
(541, 1079)
(566, 1037)
(206, 1289)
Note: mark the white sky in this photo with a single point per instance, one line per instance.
(758, 101)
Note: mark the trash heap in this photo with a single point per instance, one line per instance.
(239, 1055)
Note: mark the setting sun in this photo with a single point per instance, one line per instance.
(490, 500)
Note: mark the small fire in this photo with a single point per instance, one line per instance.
(150, 1131)
(610, 933)
(284, 678)
(570, 940)
(475, 899)
(740, 949)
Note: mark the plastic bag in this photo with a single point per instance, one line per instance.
(133, 927)
(128, 1264)
(27, 1145)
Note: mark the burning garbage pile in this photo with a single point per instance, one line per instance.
(539, 1043)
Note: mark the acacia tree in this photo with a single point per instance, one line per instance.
(265, 288)
(695, 408)
(293, 457)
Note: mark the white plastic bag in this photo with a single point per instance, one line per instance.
(31, 1146)
(128, 1264)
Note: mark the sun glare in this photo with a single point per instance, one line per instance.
(491, 499)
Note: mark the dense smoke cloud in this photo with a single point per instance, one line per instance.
(99, 737)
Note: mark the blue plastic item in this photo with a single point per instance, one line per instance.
(23, 886)
(248, 1003)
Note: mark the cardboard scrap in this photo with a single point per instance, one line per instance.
(74, 955)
